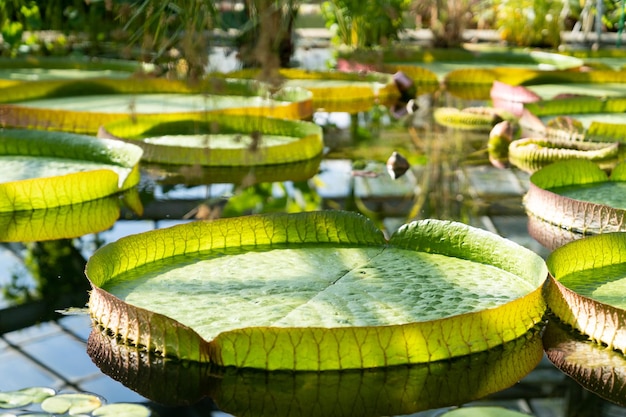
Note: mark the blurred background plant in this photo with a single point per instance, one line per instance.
(446, 19)
(178, 35)
(266, 37)
(26, 26)
(169, 32)
(364, 24)
(529, 22)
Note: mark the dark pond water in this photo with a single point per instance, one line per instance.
(449, 178)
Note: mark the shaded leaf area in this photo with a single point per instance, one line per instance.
(579, 196)
(586, 275)
(42, 169)
(596, 368)
(83, 106)
(384, 391)
(313, 291)
(335, 91)
(43, 401)
(220, 140)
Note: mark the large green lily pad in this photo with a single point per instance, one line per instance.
(578, 195)
(315, 291)
(220, 140)
(335, 91)
(531, 154)
(586, 287)
(42, 169)
(84, 106)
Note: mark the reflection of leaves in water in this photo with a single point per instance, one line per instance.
(372, 392)
(57, 267)
(17, 291)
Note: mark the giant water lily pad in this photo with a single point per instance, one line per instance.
(84, 106)
(336, 91)
(220, 140)
(586, 287)
(531, 154)
(315, 291)
(41, 169)
(578, 195)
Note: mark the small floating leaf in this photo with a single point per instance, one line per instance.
(15, 399)
(71, 403)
